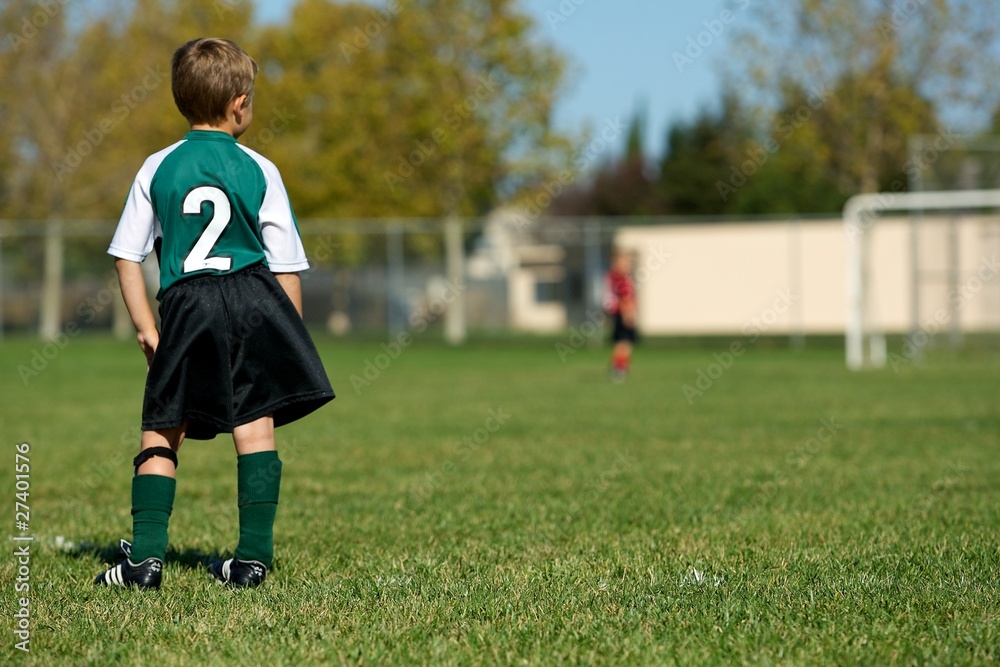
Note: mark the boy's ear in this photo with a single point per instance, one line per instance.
(238, 107)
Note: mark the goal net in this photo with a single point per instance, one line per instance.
(933, 272)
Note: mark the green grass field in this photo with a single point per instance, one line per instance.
(496, 505)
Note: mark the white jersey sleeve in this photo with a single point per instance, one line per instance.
(282, 242)
(138, 226)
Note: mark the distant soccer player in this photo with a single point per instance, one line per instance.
(620, 303)
(233, 355)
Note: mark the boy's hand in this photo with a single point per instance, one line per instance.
(148, 340)
(292, 284)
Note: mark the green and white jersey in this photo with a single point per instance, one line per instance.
(209, 206)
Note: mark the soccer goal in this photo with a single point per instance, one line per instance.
(865, 339)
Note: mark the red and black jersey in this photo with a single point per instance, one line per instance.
(618, 287)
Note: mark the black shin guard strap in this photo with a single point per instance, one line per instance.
(150, 452)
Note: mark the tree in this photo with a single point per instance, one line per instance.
(876, 70)
(690, 178)
(699, 156)
(800, 163)
(37, 116)
(84, 127)
(421, 108)
(414, 108)
(619, 186)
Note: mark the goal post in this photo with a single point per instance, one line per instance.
(865, 343)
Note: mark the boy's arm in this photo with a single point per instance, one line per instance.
(628, 303)
(280, 234)
(292, 284)
(134, 294)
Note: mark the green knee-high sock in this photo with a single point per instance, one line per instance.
(258, 478)
(152, 503)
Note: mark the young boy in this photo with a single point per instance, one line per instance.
(233, 355)
(620, 304)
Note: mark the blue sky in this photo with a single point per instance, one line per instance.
(624, 54)
(624, 57)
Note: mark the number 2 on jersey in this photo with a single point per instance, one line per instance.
(198, 259)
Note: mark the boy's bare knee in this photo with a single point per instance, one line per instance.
(255, 436)
(157, 463)
(165, 437)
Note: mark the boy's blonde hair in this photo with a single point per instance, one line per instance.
(619, 254)
(207, 74)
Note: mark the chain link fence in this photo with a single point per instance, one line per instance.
(368, 277)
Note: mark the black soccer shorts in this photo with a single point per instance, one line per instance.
(232, 349)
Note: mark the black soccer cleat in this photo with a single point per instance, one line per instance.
(238, 573)
(146, 575)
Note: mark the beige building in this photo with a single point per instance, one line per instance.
(788, 277)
